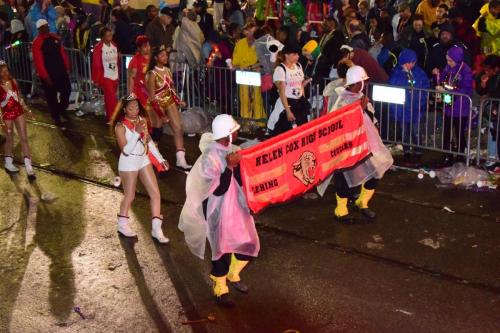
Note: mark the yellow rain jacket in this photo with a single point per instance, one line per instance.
(490, 40)
(251, 104)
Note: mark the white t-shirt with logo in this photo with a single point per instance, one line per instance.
(110, 61)
(293, 79)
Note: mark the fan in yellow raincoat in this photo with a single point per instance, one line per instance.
(245, 57)
(487, 27)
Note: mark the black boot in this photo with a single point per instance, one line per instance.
(225, 301)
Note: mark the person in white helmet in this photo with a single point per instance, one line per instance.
(363, 178)
(216, 209)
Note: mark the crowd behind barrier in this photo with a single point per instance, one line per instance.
(215, 89)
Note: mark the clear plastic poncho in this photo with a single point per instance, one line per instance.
(380, 160)
(229, 226)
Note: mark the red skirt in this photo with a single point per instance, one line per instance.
(12, 110)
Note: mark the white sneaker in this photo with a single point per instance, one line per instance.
(156, 231)
(29, 167)
(181, 160)
(124, 227)
(9, 165)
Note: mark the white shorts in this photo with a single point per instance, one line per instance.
(132, 162)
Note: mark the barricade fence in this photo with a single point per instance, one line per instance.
(426, 120)
(488, 131)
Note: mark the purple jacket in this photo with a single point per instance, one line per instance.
(461, 79)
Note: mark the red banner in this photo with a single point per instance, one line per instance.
(289, 164)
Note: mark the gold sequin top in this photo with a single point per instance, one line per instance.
(164, 88)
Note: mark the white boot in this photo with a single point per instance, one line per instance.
(156, 231)
(181, 160)
(124, 227)
(29, 167)
(9, 165)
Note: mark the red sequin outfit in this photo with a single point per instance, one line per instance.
(10, 102)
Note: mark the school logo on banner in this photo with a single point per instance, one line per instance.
(290, 164)
(305, 168)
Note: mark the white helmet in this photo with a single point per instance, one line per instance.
(354, 75)
(223, 126)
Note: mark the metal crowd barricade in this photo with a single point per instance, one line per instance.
(82, 87)
(19, 58)
(427, 127)
(488, 131)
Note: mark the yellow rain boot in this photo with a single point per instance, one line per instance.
(341, 211)
(363, 200)
(221, 291)
(234, 274)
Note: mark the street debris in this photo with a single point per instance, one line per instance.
(404, 312)
(449, 210)
(78, 310)
(208, 319)
(467, 176)
(48, 197)
(430, 243)
(377, 238)
(374, 246)
(112, 266)
(117, 181)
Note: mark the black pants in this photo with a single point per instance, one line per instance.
(62, 86)
(300, 109)
(344, 191)
(459, 132)
(220, 267)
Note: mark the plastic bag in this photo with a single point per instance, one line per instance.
(460, 174)
(195, 120)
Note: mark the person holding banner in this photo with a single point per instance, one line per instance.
(216, 209)
(368, 172)
(292, 107)
(138, 152)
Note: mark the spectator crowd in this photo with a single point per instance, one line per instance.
(447, 45)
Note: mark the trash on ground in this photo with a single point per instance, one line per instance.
(408, 313)
(430, 243)
(461, 175)
(48, 197)
(377, 238)
(78, 310)
(117, 181)
(449, 210)
(194, 120)
(208, 319)
(374, 246)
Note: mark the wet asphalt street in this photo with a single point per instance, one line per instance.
(418, 268)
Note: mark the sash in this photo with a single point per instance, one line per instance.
(157, 164)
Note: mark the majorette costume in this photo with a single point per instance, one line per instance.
(11, 103)
(165, 94)
(137, 153)
(105, 73)
(216, 209)
(12, 106)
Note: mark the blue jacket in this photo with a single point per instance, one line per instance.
(415, 105)
(35, 13)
